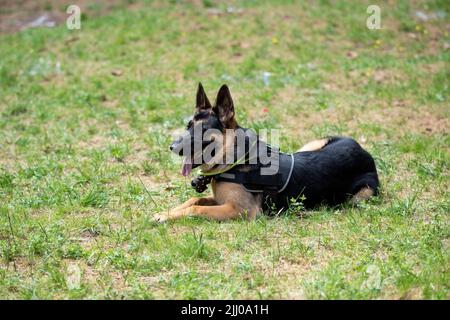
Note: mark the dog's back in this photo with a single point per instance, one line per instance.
(340, 169)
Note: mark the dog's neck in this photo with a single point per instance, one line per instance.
(239, 162)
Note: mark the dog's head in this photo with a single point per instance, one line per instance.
(205, 141)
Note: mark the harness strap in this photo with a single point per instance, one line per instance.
(251, 178)
(253, 181)
(290, 173)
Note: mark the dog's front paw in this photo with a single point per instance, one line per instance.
(160, 217)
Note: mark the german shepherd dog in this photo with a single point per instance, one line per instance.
(330, 170)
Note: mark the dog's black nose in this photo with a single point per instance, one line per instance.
(175, 147)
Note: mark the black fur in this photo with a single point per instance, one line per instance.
(330, 175)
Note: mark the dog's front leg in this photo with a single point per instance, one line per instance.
(216, 212)
(206, 201)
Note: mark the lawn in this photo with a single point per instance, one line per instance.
(86, 118)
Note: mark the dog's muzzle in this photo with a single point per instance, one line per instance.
(181, 143)
(177, 146)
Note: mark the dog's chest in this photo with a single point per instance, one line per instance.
(224, 192)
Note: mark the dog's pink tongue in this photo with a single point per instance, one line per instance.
(186, 167)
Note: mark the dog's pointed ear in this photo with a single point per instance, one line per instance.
(224, 108)
(202, 102)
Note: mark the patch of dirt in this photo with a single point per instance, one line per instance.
(22, 265)
(18, 15)
(406, 119)
(87, 239)
(399, 115)
(433, 68)
(148, 181)
(138, 155)
(446, 244)
(304, 121)
(96, 142)
(93, 276)
(8, 158)
(412, 294)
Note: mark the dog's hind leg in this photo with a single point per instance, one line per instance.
(364, 187)
(363, 194)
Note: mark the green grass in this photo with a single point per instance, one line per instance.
(78, 145)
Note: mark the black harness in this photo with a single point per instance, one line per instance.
(255, 181)
(255, 177)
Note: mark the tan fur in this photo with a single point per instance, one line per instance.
(207, 201)
(314, 145)
(218, 212)
(363, 194)
(218, 162)
(227, 192)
